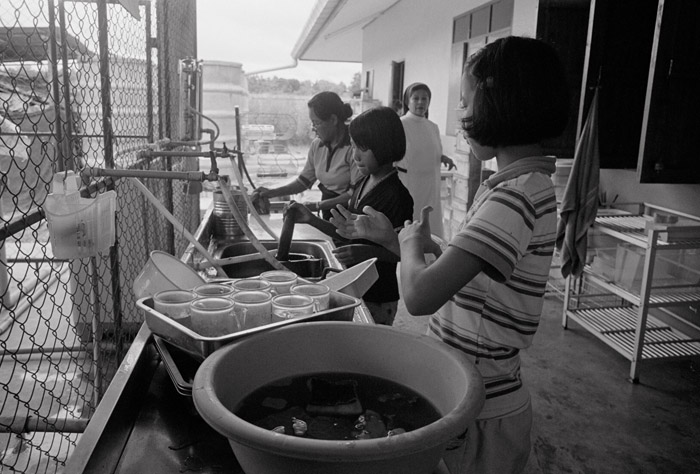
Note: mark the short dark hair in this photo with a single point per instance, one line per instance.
(327, 103)
(379, 129)
(520, 93)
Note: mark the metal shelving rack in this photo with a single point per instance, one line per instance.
(619, 316)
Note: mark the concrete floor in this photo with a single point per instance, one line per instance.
(589, 419)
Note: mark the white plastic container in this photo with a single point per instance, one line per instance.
(78, 227)
(162, 272)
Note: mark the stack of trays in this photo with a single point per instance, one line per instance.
(181, 367)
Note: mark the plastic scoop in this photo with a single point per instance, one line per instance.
(355, 281)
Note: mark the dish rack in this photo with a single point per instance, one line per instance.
(646, 261)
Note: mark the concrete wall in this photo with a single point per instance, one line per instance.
(420, 34)
(625, 184)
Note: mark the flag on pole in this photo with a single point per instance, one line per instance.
(580, 200)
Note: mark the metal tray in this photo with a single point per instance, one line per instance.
(342, 308)
(180, 365)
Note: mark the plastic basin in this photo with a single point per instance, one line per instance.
(162, 272)
(442, 375)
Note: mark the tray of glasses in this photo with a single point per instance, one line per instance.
(341, 308)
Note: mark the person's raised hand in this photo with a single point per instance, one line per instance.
(449, 162)
(301, 213)
(350, 255)
(261, 191)
(343, 220)
(372, 225)
(419, 229)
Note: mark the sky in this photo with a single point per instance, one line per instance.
(261, 34)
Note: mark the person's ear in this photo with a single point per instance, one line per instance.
(334, 120)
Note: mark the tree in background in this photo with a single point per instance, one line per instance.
(279, 85)
(283, 103)
(356, 85)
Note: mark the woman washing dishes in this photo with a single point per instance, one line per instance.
(419, 170)
(330, 157)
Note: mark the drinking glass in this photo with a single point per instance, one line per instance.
(174, 304)
(214, 289)
(280, 280)
(247, 284)
(290, 306)
(321, 294)
(257, 306)
(214, 316)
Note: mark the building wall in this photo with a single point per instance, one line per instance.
(626, 186)
(418, 33)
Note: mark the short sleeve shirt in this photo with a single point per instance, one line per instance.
(335, 168)
(512, 226)
(391, 198)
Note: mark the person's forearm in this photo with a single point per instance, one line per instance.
(342, 199)
(326, 227)
(412, 266)
(295, 187)
(385, 255)
(391, 243)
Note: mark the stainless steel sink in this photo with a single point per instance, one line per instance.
(317, 257)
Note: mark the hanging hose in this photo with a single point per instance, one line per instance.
(245, 170)
(251, 208)
(178, 226)
(239, 163)
(223, 184)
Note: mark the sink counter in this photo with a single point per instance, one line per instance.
(142, 424)
(205, 234)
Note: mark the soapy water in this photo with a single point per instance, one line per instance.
(337, 406)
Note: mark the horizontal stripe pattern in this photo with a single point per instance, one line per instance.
(513, 228)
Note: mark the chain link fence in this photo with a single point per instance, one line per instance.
(83, 84)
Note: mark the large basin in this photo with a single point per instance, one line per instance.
(308, 259)
(226, 377)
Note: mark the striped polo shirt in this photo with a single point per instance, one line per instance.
(512, 226)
